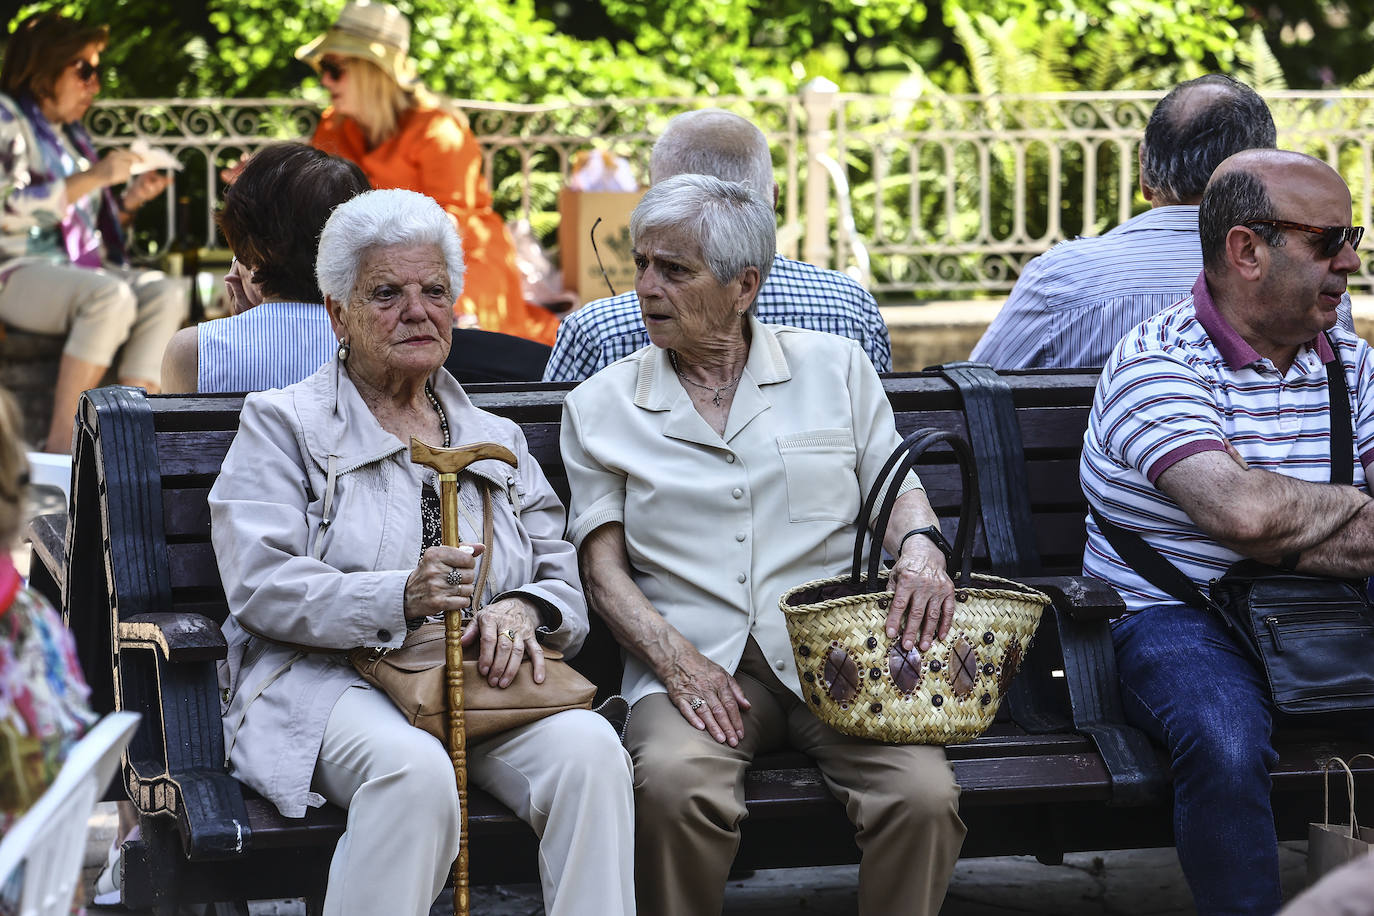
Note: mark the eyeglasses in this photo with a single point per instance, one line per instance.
(604, 275)
(85, 70)
(332, 68)
(1333, 237)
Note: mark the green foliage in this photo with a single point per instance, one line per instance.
(532, 50)
(544, 50)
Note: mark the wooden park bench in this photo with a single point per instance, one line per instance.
(133, 568)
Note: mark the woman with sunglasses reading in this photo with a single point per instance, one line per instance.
(62, 259)
(403, 136)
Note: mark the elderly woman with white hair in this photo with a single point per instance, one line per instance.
(328, 538)
(711, 471)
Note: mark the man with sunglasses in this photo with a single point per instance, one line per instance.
(1210, 438)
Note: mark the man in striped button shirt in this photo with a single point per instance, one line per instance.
(1074, 302)
(726, 146)
(1210, 438)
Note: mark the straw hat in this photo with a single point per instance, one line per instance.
(377, 32)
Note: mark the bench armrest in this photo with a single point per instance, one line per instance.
(1076, 634)
(1082, 598)
(176, 768)
(47, 535)
(177, 637)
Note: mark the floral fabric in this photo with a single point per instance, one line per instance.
(43, 708)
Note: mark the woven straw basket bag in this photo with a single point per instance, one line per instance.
(860, 682)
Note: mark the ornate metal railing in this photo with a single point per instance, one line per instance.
(528, 149)
(926, 195)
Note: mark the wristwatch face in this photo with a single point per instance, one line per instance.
(935, 535)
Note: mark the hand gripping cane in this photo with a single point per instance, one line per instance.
(450, 462)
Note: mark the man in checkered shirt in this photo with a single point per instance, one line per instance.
(729, 147)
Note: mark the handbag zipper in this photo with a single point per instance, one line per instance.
(1274, 623)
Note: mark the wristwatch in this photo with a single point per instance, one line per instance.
(932, 532)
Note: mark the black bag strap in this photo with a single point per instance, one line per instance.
(995, 436)
(1342, 436)
(903, 458)
(1151, 565)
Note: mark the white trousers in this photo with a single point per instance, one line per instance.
(566, 776)
(98, 310)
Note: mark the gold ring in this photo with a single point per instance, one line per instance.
(509, 634)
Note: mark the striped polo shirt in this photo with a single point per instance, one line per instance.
(1183, 382)
(271, 345)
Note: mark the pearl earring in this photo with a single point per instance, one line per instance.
(344, 350)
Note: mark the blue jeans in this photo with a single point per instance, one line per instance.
(1188, 685)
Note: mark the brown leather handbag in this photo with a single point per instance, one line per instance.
(413, 676)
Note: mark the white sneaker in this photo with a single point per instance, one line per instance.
(107, 891)
(107, 882)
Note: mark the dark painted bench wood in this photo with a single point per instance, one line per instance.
(134, 568)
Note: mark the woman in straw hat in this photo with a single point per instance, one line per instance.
(404, 137)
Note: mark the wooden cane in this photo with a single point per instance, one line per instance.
(450, 462)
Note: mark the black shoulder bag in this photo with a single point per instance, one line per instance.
(1312, 636)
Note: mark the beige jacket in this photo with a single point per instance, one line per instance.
(266, 510)
(718, 528)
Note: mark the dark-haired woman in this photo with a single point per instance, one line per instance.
(62, 264)
(278, 331)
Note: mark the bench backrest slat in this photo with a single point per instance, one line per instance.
(195, 431)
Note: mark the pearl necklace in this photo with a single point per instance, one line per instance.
(443, 419)
(715, 392)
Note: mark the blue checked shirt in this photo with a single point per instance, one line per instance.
(1074, 302)
(795, 293)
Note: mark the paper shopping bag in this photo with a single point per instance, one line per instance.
(580, 211)
(1329, 846)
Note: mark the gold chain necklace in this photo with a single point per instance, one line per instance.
(715, 392)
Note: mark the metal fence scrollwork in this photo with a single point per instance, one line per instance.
(919, 197)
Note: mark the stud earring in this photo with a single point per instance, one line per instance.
(344, 350)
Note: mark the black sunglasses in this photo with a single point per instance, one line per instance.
(1333, 237)
(332, 69)
(86, 71)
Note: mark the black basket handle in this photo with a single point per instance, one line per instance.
(904, 458)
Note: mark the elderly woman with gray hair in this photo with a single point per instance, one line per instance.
(328, 538)
(709, 472)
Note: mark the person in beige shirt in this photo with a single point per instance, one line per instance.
(709, 472)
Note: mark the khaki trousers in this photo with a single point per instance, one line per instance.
(689, 802)
(567, 776)
(98, 310)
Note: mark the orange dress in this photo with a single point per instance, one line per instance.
(435, 153)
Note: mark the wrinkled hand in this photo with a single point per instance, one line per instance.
(507, 632)
(428, 590)
(922, 592)
(144, 188)
(242, 295)
(114, 166)
(694, 677)
(230, 174)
